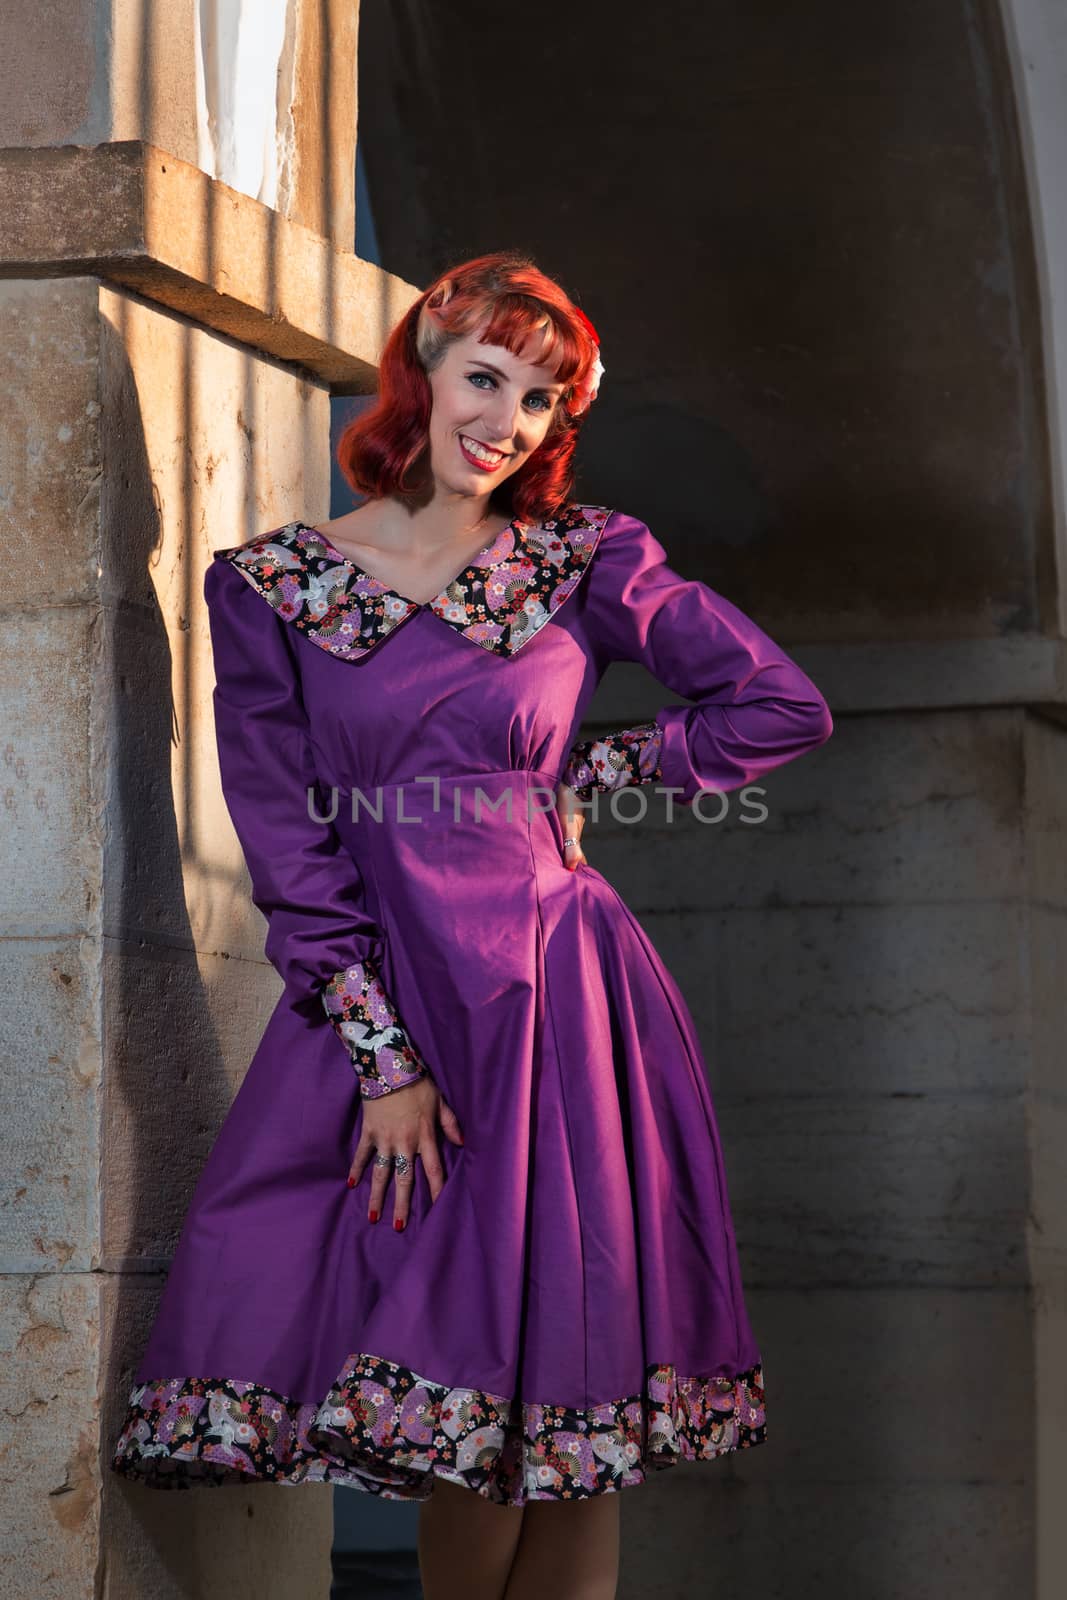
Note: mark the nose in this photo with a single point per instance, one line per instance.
(504, 420)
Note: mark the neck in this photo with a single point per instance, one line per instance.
(443, 522)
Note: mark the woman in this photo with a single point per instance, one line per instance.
(556, 1308)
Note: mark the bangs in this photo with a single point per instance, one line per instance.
(517, 321)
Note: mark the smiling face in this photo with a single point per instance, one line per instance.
(490, 412)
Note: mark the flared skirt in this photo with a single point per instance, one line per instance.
(566, 1318)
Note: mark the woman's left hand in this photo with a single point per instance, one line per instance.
(572, 821)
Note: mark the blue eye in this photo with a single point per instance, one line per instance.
(473, 376)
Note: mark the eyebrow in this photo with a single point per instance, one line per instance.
(474, 361)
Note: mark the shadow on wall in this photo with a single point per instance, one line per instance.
(639, 457)
(166, 1090)
(186, 417)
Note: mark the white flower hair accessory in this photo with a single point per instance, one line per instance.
(585, 394)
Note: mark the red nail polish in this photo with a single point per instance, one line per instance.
(398, 1224)
(351, 1183)
(462, 1140)
(374, 1216)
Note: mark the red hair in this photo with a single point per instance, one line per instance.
(381, 446)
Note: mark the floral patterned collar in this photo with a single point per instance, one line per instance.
(501, 600)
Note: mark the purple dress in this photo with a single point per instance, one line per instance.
(568, 1315)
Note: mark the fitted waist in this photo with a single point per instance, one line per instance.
(424, 845)
(438, 802)
(432, 792)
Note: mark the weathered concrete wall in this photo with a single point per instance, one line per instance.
(1046, 921)
(50, 854)
(260, 95)
(131, 953)
(1036, 34)
(865, 971)
(203, 443)
(803, 237)
(228, 444)
(276, 105)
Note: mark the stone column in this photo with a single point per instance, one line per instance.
(171, 344)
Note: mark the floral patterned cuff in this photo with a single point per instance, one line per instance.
(632, 755)
(363, 1015)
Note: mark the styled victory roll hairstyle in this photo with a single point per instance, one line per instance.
(380, 448)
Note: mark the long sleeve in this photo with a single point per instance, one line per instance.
(754, 708)
(320, 937)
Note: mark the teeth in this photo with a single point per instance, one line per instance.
(480, 451)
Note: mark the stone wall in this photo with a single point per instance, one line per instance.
(130, 937)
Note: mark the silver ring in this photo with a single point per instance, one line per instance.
(402, 1163)
(570, 841)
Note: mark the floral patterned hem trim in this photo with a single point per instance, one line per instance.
(512, 587)
(384, 1429)
(631, 755)
(364, 1018)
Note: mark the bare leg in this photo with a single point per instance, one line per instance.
(466, 1544)
(569, 1550)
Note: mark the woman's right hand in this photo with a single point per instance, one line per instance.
(403, 1122)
